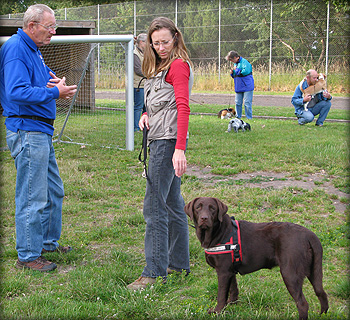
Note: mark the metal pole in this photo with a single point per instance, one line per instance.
(327, 42)
(176, 12)
(270, 61)
(98, 47)
(129, 96)
(219, 51)
(135, 19)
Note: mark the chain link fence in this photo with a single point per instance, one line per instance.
(281, 39)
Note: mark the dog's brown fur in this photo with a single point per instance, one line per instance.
(295, 249)
(226, 113)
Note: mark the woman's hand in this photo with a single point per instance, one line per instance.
(179, 162)
(144, 121)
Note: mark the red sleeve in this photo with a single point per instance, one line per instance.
(178, 76)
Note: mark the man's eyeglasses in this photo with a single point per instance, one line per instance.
(48, 28)
(163, 43)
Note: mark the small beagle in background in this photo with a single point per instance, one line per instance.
(226, 113)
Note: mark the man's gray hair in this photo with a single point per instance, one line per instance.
(308, 72)
(35, 13)
(141, 37)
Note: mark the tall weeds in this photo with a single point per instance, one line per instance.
(284, 77)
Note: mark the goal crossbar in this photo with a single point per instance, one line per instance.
(129, 57)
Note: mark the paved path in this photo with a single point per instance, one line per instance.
(229, 99)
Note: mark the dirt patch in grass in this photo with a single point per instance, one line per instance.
(275, 180)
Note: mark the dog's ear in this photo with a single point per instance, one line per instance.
(189, 208)
(222, 209)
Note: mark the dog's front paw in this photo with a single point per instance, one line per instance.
(211, 311)
(215, 310)
(232, 300)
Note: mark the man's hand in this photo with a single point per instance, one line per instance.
(53, 81)
(326, 94)
(66, 92)
(307, 98)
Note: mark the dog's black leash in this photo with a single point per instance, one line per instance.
(143, 159)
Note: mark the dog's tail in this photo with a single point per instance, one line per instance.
(316, 274)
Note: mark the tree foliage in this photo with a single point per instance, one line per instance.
(15, 6)
(299, 28)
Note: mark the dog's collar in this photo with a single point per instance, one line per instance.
(226, 248)
(233, 246)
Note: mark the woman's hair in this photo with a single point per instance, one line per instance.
(231, 55)
(35, 13)
(152, 63)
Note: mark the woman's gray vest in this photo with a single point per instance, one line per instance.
(161, 106)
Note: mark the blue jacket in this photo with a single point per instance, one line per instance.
(243, 76)
(298, 97)
(23, 79)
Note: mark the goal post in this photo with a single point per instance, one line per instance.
(129, 65)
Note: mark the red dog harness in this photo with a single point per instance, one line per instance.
(232, 246)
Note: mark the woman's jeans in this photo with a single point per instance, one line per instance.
(167, 235)
(39, 193)
(138, 106)
(248, 99)
(322, 108)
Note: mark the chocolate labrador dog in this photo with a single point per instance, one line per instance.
(295, 249)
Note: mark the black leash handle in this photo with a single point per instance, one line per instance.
(143, 152)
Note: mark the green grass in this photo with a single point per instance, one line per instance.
(269, 111)
(103, 221)
(338, 114)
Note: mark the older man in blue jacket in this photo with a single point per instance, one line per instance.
(28, 89)
(244, 83)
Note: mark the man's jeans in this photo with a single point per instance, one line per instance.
(39, 193)
(167, 235)
(248, 99)
(138, 106)
(321, 108)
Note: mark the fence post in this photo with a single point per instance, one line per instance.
(176, 13)
(270, 60)
(327, 42)
(98, 45)
(135, 35)
(219, 41)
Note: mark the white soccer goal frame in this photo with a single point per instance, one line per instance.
(129, 57)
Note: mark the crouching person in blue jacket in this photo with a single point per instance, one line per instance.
(318, 104)
(242, 74)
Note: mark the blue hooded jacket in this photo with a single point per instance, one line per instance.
(243, 76)
(23, 79)
(298, 98)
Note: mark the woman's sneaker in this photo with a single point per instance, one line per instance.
(40, 264)
(141, 283)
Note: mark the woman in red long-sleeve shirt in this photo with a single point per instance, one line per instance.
(167, 90)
